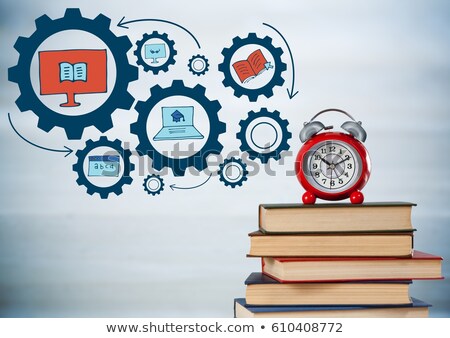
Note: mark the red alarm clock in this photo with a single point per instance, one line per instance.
(333, 165)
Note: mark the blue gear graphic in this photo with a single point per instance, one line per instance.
(104, 191)
(100, 117)
(225, 179)
(276, 153)
(164, 67)
(266, 90)
(178, 165)
(160, 187)
(194, 59)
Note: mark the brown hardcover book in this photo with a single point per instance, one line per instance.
(374, 244)
(418, 309)
(263, 290)
(328, 217)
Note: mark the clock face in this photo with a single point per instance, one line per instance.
(332, 166)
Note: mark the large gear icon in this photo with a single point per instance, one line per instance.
(100, 117)
(104, 191)
(277, 120)
(178, 165)
(225, 67)
(198, 65)
(153, 190)
(226, 178)
(164, 67)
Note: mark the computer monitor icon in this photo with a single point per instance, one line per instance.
(178, 124)
(71, 72)
(155, 51)
(104, 166)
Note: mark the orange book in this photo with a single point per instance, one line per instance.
(248, 69)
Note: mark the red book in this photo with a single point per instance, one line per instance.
(248, 69)
(336, 269)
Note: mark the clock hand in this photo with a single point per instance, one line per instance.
(324, 160)
(345, 159)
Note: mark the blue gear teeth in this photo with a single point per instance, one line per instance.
(178, 165)
(276, 120)
(229, 182)
(119, 98)
(153, 178)
(198, 59)
(252, 94)
(163, 67)
(104, 191)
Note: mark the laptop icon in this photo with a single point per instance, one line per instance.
(178, 124)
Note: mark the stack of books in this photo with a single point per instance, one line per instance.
(336, 260)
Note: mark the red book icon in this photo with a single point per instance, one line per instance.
(70, 72)
(255, 64)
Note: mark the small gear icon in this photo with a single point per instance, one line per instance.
(252, 94)
(127, 167)
(153, 184)
(156, 67)
(73, 125)
(246, 136)
(233, 172)
(198, 65)
(178, 165)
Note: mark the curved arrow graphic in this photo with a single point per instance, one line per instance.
(291, 93)
(122, 24)
(173, 186)
(66, 150)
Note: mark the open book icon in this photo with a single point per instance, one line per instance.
(73, 72)
(255, 64)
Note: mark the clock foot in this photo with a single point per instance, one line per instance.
(357, 197)
(308, 198)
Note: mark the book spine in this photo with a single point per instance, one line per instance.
(259, 216)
